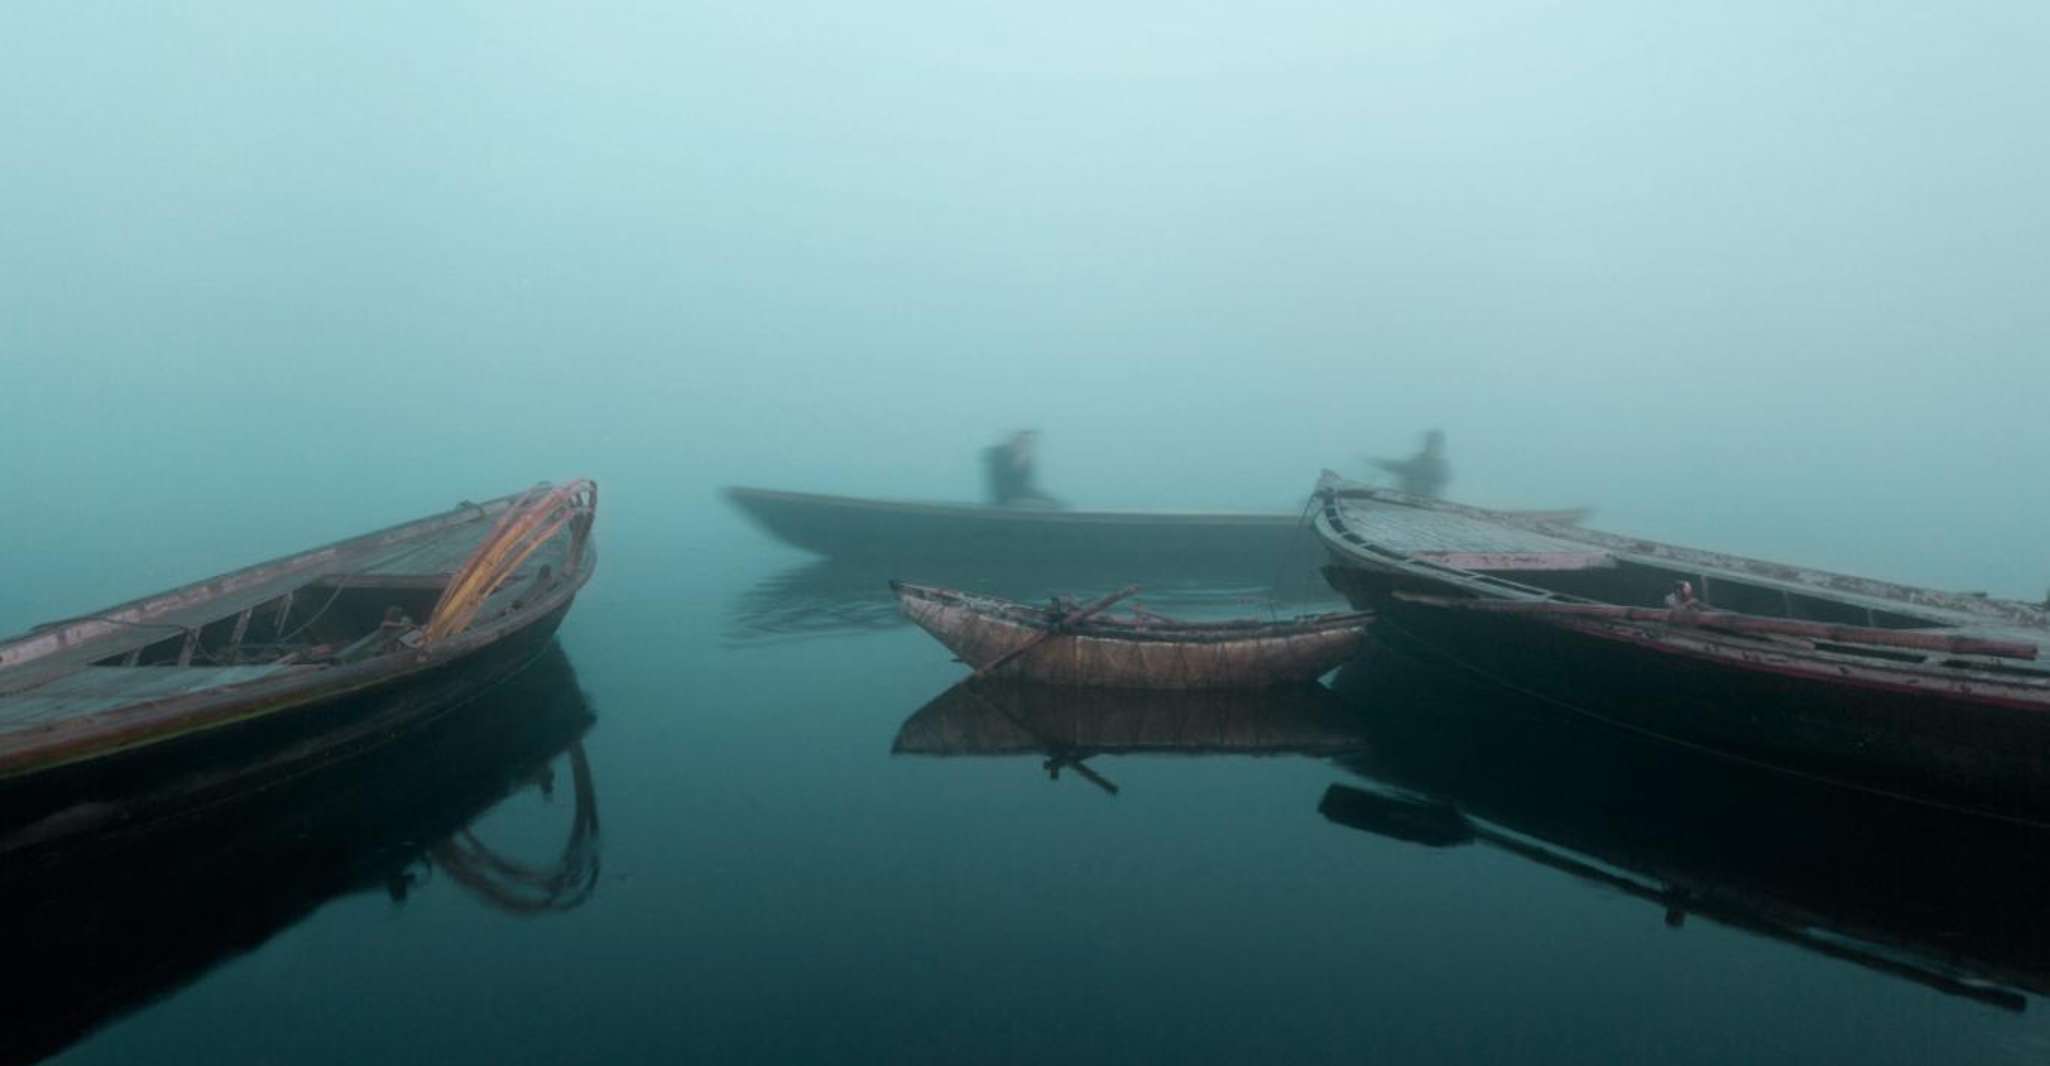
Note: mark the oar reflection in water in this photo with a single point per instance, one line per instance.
(1069, 725)
(520, 888)
(1952, 902)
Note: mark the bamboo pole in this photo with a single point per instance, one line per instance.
(1062, 625)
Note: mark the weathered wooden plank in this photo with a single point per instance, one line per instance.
(241, 630)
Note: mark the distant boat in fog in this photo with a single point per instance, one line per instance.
(851, 527)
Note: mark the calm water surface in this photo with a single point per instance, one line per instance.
(740, 818)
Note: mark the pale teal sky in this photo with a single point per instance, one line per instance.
(1763, 274)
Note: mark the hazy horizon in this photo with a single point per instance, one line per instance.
(1763, 276)
(1768, 278)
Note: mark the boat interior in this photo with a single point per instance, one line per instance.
(328, 621)
(313, 622)
(331, 606)
(1634, 583)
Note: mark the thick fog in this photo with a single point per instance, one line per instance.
(1768, 277)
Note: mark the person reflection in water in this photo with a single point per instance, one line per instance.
(1008, 472)
(1426, 472)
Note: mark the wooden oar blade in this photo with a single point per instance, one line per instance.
(1431, 823)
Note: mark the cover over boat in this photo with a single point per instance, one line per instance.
(1894, 687)
(1057, 646)
(284, 649)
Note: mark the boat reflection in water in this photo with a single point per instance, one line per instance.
(116, 918)
(828, 597)
(1069, 725)
(1950, 900)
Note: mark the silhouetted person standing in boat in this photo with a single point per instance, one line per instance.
(1007, 472)
(1426, 472)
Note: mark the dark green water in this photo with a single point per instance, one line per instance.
(758, 878)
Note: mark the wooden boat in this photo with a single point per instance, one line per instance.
(1946, 900)
(853, 527)
(287, 649)
(1915, 690)
(906, 532)
(1060, 645)
(168, 889)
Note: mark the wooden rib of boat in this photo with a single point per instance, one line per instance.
(1907, 689)
(283, 649)
(1042, 645)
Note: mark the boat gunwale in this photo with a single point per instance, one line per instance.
(2023, 684)
(1765, 656)
(21, 651)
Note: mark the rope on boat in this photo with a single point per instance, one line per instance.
(342, 582)
(532, 520)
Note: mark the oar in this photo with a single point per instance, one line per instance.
(1058, 754)
(1064, 624)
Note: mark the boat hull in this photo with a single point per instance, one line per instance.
(1981, 748)
(1109, 661)
(270, 738)
(907, 534)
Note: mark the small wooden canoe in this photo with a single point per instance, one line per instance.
(288, 649)
(1136, 652)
